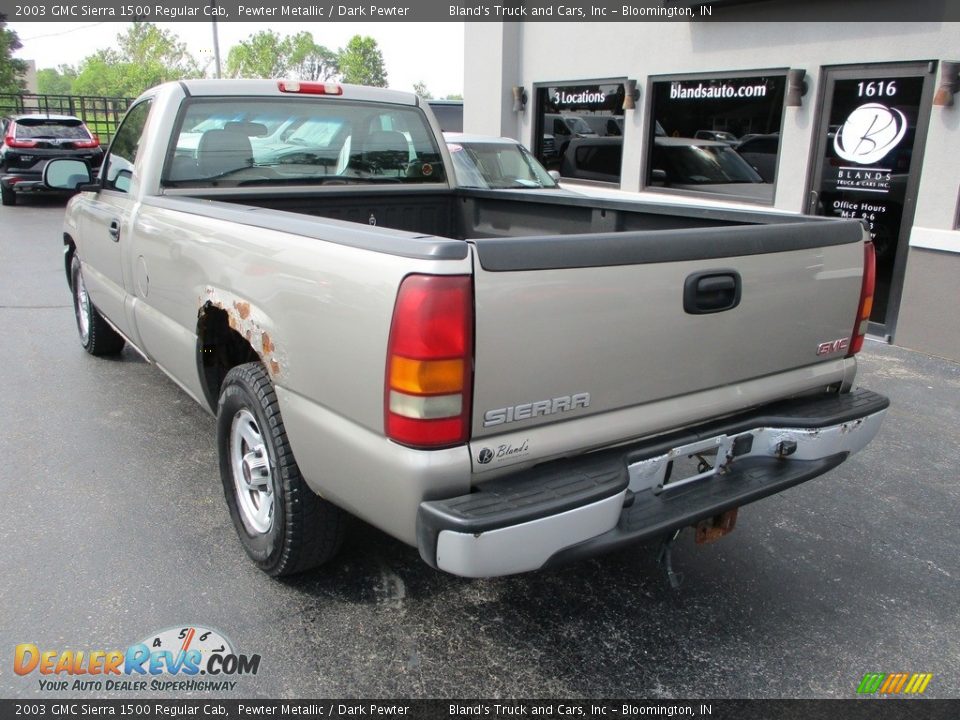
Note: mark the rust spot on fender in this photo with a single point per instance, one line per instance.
(247, 321)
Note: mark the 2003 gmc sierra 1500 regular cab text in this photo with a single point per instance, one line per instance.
(506, 379)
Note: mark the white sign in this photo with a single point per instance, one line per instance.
(869, 133)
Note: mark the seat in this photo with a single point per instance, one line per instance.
(222, 151)
(183, 167)
(386, 151)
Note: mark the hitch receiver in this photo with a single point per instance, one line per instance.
(714, 528)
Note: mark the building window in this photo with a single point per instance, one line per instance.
(716, 134)
(579, 129)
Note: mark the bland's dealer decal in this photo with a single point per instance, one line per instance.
(868, 155)
(869, 133)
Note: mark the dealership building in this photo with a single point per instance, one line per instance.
(832, 118)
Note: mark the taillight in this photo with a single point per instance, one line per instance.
(91, 143)
(429, 378)
(866, 298)
(309, 88)
(11, 141)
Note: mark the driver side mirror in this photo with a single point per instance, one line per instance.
(658, 177)
(66, 174)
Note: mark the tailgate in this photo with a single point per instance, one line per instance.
(572, 326)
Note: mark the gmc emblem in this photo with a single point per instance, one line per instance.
(828, 348)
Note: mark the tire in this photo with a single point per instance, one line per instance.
(96, 335)
(7, 196)
(282, 524)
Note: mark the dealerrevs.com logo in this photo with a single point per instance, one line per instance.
(170, 660)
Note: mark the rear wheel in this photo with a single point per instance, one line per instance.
(96, 335)
(7, 195)
(282, 524)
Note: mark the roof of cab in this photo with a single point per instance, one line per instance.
(455, 137)
(271, 88)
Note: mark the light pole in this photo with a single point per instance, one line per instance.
(216, 41)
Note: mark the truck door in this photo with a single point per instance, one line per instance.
(105, 221)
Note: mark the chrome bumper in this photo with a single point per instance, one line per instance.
(570, 509)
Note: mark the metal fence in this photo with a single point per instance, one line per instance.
(101, 114)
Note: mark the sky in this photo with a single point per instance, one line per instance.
(431, 53)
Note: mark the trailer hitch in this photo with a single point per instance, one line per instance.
(665, 558)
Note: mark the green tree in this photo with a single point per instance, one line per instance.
(12, 70)
(361, 62)
(57, 81)
(144, 56)
(454, 96)
(420, 88)
(262, 55)
(267, 55)
(308, 61)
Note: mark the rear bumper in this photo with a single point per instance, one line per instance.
(31, 184)
(571, 509)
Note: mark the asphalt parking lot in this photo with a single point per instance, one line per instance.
(114, 527)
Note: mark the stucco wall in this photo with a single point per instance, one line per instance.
(500, 55)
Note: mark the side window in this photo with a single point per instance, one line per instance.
(716, 134)
(118, 167)
(575, 115)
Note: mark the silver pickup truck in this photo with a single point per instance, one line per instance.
(506, 379)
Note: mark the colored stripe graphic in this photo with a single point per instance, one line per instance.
(894, 683)
(918, 683)
(871, 683)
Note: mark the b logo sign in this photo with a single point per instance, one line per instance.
(869, 133)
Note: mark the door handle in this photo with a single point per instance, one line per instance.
(114, 230)
(711, 291)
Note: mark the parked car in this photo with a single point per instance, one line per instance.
(604, 125)
(761, 152)
(30, 141)
(483, 161)
(707, 166)
(718, 135)
(563, 129)
(681, 163)
(593, 158)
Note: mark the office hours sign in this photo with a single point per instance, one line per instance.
(868, 153)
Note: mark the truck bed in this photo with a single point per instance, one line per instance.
(576, 284)
(475, 214)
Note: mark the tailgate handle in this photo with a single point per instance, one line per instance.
(711, 291)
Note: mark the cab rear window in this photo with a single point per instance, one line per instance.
(234, 142)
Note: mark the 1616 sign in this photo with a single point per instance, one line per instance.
(871, 133)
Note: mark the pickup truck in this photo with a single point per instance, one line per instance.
(505, 379)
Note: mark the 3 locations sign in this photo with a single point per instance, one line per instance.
(601, 97)
(581, 129)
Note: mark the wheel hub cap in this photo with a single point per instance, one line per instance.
(252, 477)
(82, 309)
